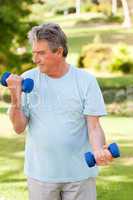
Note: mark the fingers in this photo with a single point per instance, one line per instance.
(103, 157)
(100, 157)
(14, 82)
(108, 155)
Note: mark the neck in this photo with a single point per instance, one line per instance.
(59, 70)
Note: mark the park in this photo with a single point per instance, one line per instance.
(100, 41)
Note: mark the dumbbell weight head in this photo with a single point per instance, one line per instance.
(27, 84)
(114, 150)
(90, 159)
(4, 77)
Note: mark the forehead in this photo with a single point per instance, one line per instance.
(40, 45)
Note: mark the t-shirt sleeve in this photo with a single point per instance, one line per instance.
(94, 103)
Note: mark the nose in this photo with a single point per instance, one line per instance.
(35, 59)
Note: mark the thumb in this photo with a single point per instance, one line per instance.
(105, 146)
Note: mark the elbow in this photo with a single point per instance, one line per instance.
(19, 130)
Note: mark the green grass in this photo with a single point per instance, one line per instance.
(12, 180)
(114, 182)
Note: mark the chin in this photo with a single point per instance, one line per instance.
(43, 69)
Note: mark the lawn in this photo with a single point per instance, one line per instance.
(114, 182)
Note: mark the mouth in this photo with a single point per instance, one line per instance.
(40, 65)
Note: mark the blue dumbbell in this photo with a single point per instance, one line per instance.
(113, 148)
(27, 84)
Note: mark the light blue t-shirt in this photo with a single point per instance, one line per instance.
(57, 135)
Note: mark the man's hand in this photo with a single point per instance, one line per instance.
(14, 83)
(103, 156)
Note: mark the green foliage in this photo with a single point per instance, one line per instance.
(104, 8)
(107, 58)
(59, 11)
(86, 7)
(68, 10)
(14, 26)
(122, 59)
(116, 18)
(95, 56)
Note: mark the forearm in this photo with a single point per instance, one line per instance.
(18, 119)
(98, 141)
(16, 115)
(97, 137)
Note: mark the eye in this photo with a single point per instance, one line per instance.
(42, 52)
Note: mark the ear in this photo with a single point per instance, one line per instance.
(59, 52)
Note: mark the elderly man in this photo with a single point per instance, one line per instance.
(62, 114)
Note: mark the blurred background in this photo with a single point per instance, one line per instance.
(100, 40)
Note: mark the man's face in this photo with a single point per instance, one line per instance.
(45, 59)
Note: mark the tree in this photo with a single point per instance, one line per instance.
(127, 18)
(78, 7)
(114, 7)
(14, 25)
(126, 11)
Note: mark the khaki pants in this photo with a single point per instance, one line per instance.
(80, 190)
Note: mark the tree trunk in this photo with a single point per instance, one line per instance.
(114, 7)
(78, 7)
(127, 18)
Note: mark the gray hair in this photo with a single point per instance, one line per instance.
(52, 33)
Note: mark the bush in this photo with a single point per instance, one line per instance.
(71, 10)
(104, 8)
(116, 19)
(107, 58)
(59, 11)
(68, 10)
(122, 60)
(95, 56)
(87, 7)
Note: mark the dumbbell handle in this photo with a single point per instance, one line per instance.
(27, 84)
(113, 148)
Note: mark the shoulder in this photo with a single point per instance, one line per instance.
(30, 73)
(84, 76)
